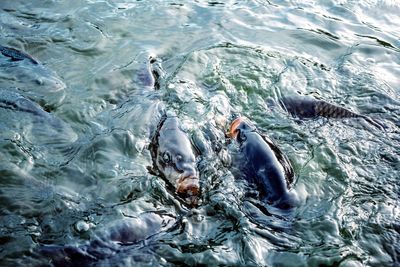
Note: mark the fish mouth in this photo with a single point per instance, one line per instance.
(233, 132)
(188, 187)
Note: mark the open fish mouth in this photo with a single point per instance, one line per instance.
(232, 132)
(188, 187)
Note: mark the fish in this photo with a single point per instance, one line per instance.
(307, 107)
(311, 108)
(109, 241)
(20, 114)
(263, 164)
(16, 55)
(22, 71)
(174, 159)
(151, 74)
(16, 102)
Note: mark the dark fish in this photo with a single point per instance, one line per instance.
(263, 164)
(16, 55)
(174, 159)
(312, 108)
(306, 107)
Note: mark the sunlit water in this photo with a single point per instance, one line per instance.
(63, 187)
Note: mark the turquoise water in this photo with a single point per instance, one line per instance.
(66, 178)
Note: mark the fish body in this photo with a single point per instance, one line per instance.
(20, 70)
(311, 108)
(174, 159)
(263, 164)
(22, 115)
(14, 101)
(307, 107)
(109, 241)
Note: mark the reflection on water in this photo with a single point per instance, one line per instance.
(74, 149)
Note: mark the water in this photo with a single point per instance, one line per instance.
(218, 57)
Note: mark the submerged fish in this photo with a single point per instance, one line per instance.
(21, 114)
(263, 164)
(124, 234)
(22, 71)
(14, 101)
(307, 107)
(174, 159)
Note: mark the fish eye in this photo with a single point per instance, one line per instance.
(166, 156)
(39, 81)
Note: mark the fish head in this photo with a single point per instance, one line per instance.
(52, 82)
(32, 73)
(176, 161)
(238, 129)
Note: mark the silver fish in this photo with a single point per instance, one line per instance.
(23, 115)
(22, 71)
(174, 159)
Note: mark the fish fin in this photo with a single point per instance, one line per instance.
(152, 147)
(156, 71)
(16, 55)
(152, 170)
(151, 73)
(283, 160)
(377, 124)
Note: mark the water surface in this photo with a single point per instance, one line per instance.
(218, 58)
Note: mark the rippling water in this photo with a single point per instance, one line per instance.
(64, 187)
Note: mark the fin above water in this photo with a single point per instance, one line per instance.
(307, 107)
(16, 55)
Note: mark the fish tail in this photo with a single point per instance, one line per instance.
(378, 124)
(327, 110)
(311, 108)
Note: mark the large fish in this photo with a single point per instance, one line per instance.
(20, 114)
(263, 164)
(174, 159)
(22, 71)
(307, 107)
(112, 240)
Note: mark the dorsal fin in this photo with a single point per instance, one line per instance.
(16, 55)
(283, 160)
